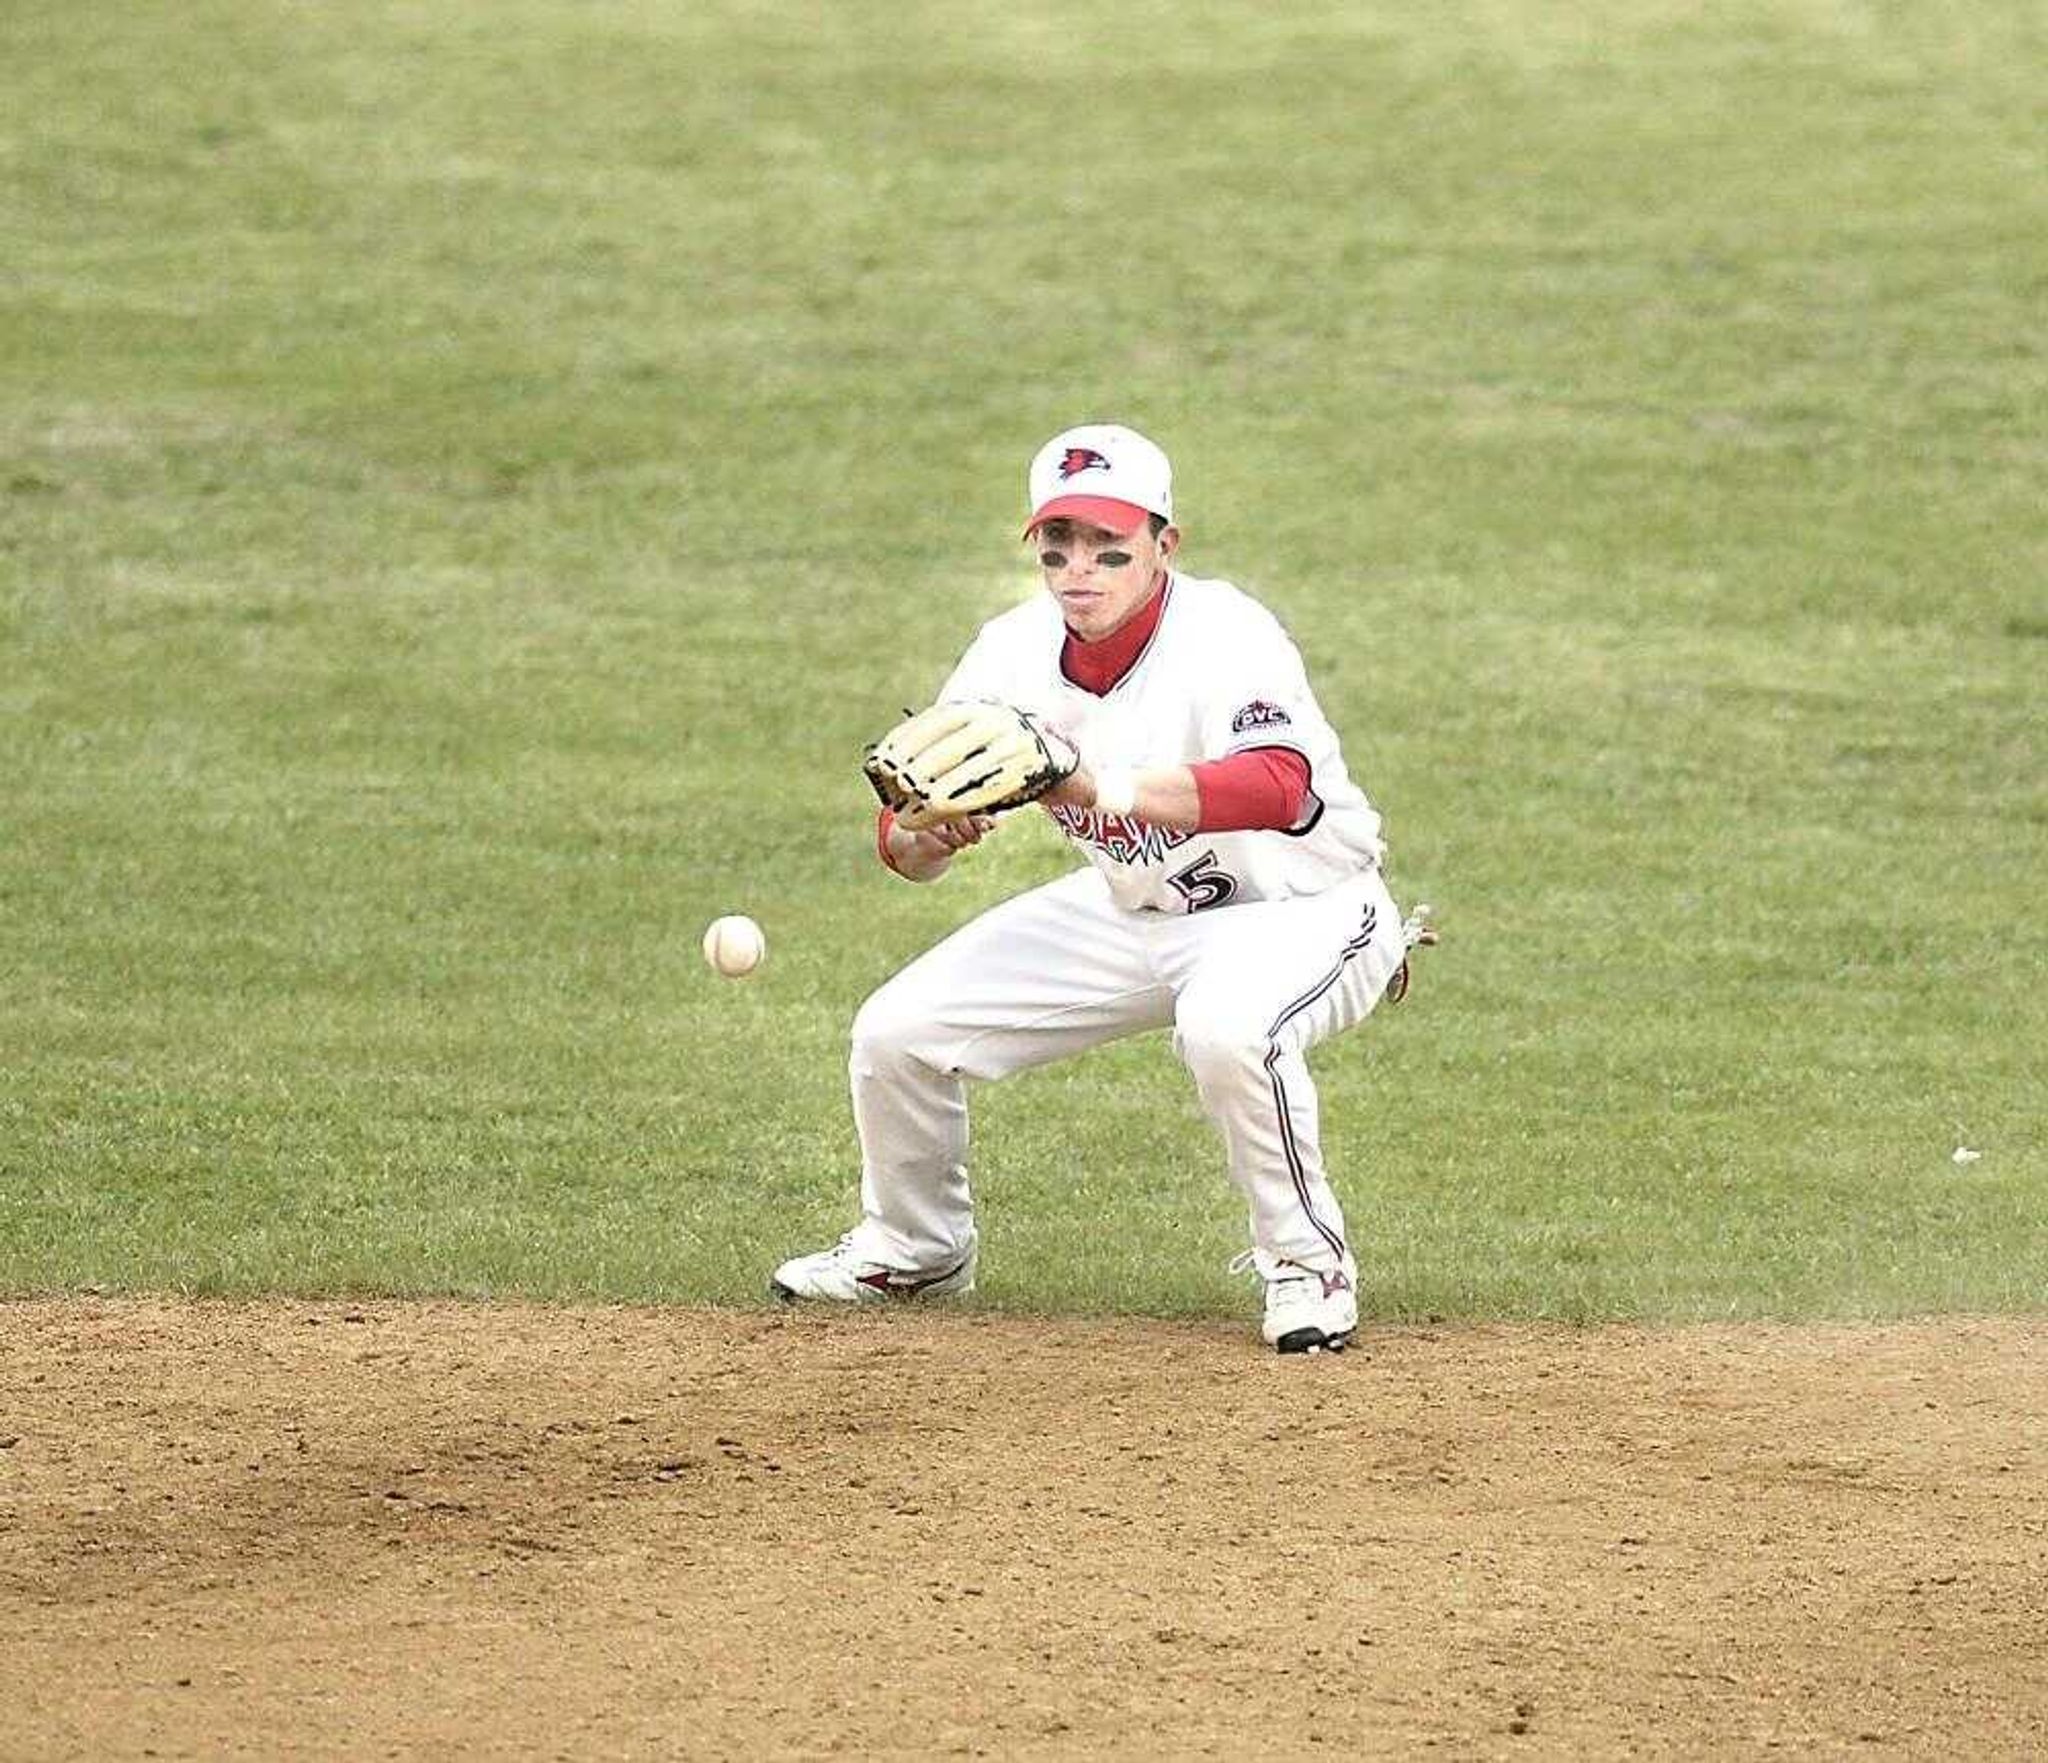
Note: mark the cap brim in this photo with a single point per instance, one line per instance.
(1106, 512)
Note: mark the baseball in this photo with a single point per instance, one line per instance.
(734, 945)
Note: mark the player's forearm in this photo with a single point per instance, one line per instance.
(1163, 795)
(1250, 791)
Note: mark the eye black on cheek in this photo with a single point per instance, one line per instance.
(1052, 559)
(1112, 559)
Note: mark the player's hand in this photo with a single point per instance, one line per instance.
(925, 855)
(1075, 790)
(957, 835)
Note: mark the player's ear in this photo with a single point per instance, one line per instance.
(1169, 541)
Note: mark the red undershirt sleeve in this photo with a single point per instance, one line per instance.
(1261, 790)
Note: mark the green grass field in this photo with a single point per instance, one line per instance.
(472, 477)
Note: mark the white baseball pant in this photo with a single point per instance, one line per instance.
(1247, 990)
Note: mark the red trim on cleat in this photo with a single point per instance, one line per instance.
(893, 1284)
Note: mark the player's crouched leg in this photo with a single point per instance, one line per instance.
(1263, 1103)
(910, 1106)
(910, 1109)
(916, 1233)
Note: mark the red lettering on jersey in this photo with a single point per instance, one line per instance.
(1122, 838)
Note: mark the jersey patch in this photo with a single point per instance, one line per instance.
(1259, 714)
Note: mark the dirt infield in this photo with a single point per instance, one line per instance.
(409, 1529)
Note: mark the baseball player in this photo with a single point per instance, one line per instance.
(1233, 890)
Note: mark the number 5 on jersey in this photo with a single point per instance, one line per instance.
(1202, 884)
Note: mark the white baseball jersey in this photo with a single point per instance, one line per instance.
(1219, 676)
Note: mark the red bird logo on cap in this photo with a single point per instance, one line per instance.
(1080, 459)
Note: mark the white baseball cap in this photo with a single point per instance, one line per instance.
(1101, 473)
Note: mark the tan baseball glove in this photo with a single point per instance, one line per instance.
(971, 758)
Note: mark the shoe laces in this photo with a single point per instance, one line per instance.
(1290, 1273)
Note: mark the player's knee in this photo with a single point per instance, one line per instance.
(888, 1028)
(1219, 1050)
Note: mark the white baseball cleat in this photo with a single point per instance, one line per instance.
(1308, 1311)
(842, 1275)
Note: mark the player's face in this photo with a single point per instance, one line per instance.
(1101, 579)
